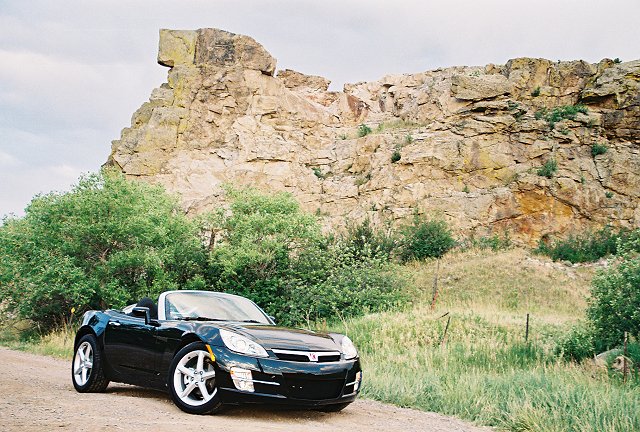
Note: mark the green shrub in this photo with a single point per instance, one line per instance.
(335, 283)
(273, 253)
(494, 242)
(585, 247)
(617, 60)
(614, 306)
(396, 156)
(364, 130)
(106, 243)
(365, 240)
(425, 238)
(598, 149)
(318, 173)
(577, 344)
(560, 113)
(536, 92)
(549, 168)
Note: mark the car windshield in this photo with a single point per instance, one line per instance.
(212, 306)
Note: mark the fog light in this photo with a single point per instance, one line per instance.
(242, 379)
(356, 386)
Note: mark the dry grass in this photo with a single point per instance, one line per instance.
(505, 282)
(485, 371)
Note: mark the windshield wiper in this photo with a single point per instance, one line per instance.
(199, 318)
(251, 321)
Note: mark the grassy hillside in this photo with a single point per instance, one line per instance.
(484, 370)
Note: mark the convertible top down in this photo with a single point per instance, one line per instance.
(208, 349)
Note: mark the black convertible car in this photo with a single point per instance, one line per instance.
(210, 349)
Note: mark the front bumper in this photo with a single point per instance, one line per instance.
(288, 382)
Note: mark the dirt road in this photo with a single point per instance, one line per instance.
(36, 394)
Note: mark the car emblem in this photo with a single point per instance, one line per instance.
(313, 357)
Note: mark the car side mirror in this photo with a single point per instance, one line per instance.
(272, 318)
(143, 312)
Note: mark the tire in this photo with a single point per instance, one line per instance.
(190, 395)
(87, 372)
(334, 408)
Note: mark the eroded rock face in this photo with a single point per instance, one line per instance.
(471, 139)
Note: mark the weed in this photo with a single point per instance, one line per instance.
(343, 137)
(617, 60)
(363, 130)
(598, 149)
(536, 92)
(465, 189)
(362, 179)
(608, 194)
(396, 156)
(408, 139)
(318, 173)
(549, 168)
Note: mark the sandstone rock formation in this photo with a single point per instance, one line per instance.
(470, 140)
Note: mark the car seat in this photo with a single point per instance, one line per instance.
(148, 303)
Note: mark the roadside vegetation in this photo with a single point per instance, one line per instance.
(440, 322)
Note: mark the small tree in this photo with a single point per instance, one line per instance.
(615, 298)
(107, 242)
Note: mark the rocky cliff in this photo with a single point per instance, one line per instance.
(533, 147)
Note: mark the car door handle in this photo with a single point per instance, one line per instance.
(115, 323)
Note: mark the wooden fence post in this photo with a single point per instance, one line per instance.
(435, 285)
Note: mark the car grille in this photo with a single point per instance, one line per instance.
(313, 389)
(306, 356)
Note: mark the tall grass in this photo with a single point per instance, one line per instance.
(59, 343)
(484, 371)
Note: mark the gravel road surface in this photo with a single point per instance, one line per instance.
(36, 394)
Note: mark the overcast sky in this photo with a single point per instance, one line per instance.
(73, 72)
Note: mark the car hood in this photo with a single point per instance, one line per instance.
(274, 337)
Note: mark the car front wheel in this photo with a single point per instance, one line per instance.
(87, 373)
(192, 380)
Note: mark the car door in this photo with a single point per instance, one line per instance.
(130, 348)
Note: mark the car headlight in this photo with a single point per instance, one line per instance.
(241, 344)
(348, 348)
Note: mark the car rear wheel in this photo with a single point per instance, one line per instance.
(192, 380)
(87, 372)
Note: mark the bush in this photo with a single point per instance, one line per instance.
(425, 238)
(363, 130)
(536, 92)
(494, 242)
(560, 113)
(598, 149)
(396, 156)
(337, 282)
(577, 344)
(549, 168)
(364, 240)
(107, 242)
(614, 306)
(585, 247)
(565, 112)
(273, 253)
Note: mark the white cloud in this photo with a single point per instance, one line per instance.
(7, 160)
